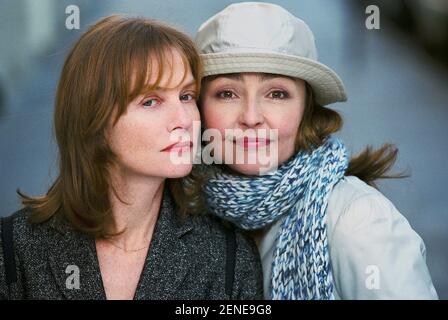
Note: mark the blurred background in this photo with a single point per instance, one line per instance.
(396, 79)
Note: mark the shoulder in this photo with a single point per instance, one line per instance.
(32, 241)
(20, 218)
(29, 245)
(361, 214)
(24, 231)
(375, 253)
(22, 228)
(353, 205)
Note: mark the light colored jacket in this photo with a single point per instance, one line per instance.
(374, 252)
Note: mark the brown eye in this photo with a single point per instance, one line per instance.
(279, 94)
(226, 94)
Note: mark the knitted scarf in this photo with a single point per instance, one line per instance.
(298, 190)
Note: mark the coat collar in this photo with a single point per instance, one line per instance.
(179, 225)
(166, 264)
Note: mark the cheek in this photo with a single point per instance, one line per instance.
(289, 128)
(132, 136)
(215, 118)
(287, 122)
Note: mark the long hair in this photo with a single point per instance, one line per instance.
(319, 122)
(94, 90)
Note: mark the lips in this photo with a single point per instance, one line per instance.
(179, 146)
(250, 143)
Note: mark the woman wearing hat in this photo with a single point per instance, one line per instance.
(323, 231)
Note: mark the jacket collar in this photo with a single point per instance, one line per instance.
(166, 264)
(179, 225)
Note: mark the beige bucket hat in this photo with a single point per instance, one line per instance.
(264, 37)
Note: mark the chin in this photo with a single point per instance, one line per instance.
(178, 170)
(251, 169)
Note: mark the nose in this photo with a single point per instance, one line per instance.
(251, 115)
(181, 117)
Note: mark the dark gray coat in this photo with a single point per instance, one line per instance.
(185, 261)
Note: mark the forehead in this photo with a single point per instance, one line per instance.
(170, 72)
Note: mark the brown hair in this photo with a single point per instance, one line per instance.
(319, 122)
(94, 90)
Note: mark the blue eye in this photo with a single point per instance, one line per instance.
(186, 97)
(150, 103)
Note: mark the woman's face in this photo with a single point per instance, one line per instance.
(145, 136)
(252, 102)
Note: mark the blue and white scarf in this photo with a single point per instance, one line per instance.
(299, 190)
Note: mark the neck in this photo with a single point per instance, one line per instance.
(138, 216)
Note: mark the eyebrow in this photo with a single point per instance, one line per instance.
(189, 84)
(262, 76)
(231, 76)
(270, 76)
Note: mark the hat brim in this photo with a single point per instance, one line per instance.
(327, 86)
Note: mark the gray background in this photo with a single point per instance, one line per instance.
(397, 93)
